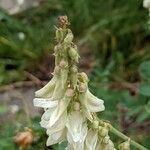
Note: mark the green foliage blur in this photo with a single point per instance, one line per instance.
(114, 32)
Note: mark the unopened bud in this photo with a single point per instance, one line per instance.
(69, 37)
(106, 139)
(70, 92)
(95, 124)
(100, 128)
(74, 69)
(63, 64)
(76, 106)
(125, 145)
(82, 87)
(83, 77)
(73, 54)
(59, 35)
(103, 132)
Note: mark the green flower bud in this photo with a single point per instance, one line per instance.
(95, 124)
(59, 35)
(125, 145)
(74, 69)
(63, 64)
(106, 139)
(83, 77)
(73, 54)
(69, 37)
(70, 92)
(103, 132)
(82, 87)
(76, 106)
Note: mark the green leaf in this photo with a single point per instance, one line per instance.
(145, 89)
(147, 107)
(144, 70)
(142, 117)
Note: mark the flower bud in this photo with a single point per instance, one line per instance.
(83, 77)
(103, 132)
(69, 37)
(125, 145)
(106, 139)
(74, 69)
(59, 34)
(76, 106)
(70, 92)
(82, 87)
(63, 64)
(95, 124)
(73, 54)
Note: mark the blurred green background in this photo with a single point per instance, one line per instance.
(114, 42)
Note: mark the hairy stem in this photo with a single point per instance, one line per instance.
(124, 137)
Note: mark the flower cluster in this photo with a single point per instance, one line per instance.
(70, 108)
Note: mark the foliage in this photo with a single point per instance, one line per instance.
(118, 35)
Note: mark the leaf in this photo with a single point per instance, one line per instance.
(144, 70)
(147, 107)
(145, 89)
(142, 117)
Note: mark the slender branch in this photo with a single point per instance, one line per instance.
(124, 137)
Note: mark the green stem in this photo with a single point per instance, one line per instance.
(124, 137)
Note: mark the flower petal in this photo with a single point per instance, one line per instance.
(77, 130)
(59, 125)
(91, 140)
(86, 111)
(94, 104)
(47, 90)
(44, 103)
(60, 109)
(56, 137)
(146, 3)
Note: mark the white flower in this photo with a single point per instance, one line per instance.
(59, 125)
(77, 130)
(146, 4)
(91, 140)
(59, 110)
(55, 89)
(90, 104)
(57, 131)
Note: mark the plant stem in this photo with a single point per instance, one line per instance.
(124, 137)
